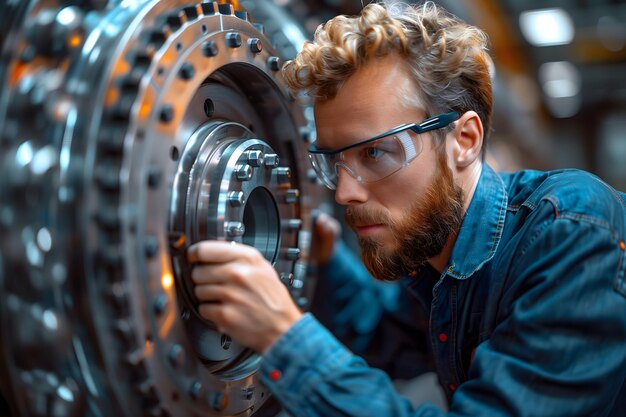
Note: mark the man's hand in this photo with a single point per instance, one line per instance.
(241, 293)
(326, 232)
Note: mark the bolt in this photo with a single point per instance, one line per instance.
(274, 63)
(176, 356)
(243, 172)
(255, 158)
(187, 71)
(209, 49)
(292, 196)
(167, 113)
(233, 39)
(196, 390)
(283, 174)
(235, 229)
(311, 175)
(294, 224)
(151, 246)
(236, 198)
(191, 12)
(160, 304)
(292, 254)
(255, 45)
(271, 160)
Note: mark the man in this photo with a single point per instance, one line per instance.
(522, 275)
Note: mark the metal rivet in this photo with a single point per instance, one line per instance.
(293, 254)
(160, 304)
(236, 198)
(176, 356)
(271, 160)
(167, 113)
(234, 229)
(187, 71)
(274, 63)
(255, 45)
(233, 39)
(294, 224)
(255, 158)
(292, 196)
(283, 174)
(209, 107)
(209, 49)
(311, 175)
(151, 246)
(243, 172)
(196, 390)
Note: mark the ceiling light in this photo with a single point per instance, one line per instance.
(559, 79)
(547, 27)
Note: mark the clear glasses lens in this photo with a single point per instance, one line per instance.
(368, 162)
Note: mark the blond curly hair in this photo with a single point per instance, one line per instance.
(448, 59)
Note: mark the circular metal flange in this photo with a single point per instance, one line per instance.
(226, 188)
(95, 127)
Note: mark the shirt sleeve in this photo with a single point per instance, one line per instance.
(312, 374)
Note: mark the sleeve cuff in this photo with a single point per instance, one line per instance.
(295, 363)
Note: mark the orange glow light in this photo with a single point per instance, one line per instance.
(167, 280)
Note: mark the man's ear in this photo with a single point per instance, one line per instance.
(468, 136)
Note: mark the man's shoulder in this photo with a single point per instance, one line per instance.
(572, 192)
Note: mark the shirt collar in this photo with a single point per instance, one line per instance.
(482, 226)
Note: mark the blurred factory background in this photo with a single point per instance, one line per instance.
(560, 83)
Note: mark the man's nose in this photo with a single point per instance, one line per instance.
(349, 189)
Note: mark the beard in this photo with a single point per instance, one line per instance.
(421, 232)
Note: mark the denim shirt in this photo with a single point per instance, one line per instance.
(527, 319)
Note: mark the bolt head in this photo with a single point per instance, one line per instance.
(244, 172)
(209, 49)
(255, 158)
(274, 63)
(233, 39)
(255, 45)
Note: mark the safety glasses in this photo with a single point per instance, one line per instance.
(376, 158)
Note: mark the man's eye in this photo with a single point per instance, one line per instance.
(373, 152)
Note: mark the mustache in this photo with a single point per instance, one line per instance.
(357, 216)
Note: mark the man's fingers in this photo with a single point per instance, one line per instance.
(212, 293)
(214, 251)
(207, 274)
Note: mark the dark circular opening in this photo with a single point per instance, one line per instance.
(262, 223)
(174, 154)
(209, 108)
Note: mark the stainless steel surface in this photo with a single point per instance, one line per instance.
(128, 131)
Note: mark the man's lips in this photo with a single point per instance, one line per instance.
(368, 229)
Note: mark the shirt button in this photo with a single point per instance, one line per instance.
(443, 337)
(275, 375)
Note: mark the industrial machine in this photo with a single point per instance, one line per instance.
(130, 129)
